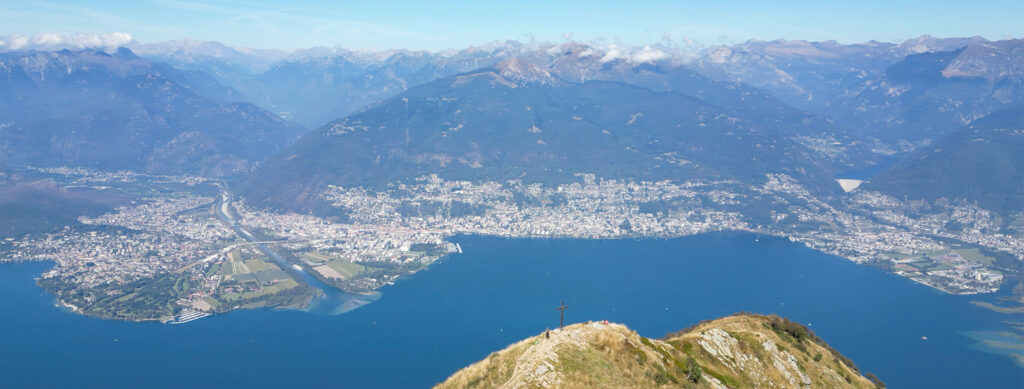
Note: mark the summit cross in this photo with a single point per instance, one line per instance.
(561, 310)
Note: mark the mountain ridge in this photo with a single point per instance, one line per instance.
(742, 350)
(480, 125)
(980, 163)
(119, 111)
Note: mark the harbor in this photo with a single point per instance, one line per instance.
(186, 316)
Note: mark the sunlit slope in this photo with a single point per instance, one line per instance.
(736, 351)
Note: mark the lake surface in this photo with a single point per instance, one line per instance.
(499, 291)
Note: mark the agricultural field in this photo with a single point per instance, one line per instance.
(249, 279)
(340, 269)
(315, 257)
(347, 269)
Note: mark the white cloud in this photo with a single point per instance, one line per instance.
(612, 54)
(633, 55)
(647, 54)
(59, 41)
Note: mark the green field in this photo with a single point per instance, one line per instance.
(239, 267)
(268, 276)
(283, 285)
(258, 265)
(315, 256)
(347, 269)
(265, 291)
(212, 301)
(225, 268)
(213, 269)
(975, 255)
(928, 266)
(230, 297)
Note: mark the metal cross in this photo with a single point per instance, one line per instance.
(561, 310)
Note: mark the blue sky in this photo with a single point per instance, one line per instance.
(435, 25)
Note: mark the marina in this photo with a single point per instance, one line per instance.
(186, 316)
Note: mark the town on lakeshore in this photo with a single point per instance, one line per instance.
(185, 247)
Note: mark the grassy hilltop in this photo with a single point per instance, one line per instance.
(739, 351)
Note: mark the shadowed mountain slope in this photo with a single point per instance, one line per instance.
(517, 120)
(120, 112)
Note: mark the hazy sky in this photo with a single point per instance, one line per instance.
(437, 25)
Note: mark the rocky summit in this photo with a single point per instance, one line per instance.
(739, 351)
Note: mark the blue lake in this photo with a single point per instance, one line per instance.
(502, 290)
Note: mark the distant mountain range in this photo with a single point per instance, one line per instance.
(316, 85)
(118, 111)
(982, 163)
(926, 96)
(511, 110)
(517, 120)
(213, 58)
(865, 87)
(812, 75)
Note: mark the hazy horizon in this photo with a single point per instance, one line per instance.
(47, 41)
(438, 27)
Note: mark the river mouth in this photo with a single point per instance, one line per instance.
(335, 302)
(330, 301)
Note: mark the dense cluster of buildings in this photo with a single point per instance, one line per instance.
(165, 233)
(157, 235)
(873, 227)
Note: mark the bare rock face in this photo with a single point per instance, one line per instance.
(522, 72)
(989, 60)
(736, 351)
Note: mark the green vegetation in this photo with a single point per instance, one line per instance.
(30, 204)
(363, 276)
(347, 269)
(693, 370)
(981, 163)
(250, 280)
(258, 265)
(976, 256)
(147, 299)
(252, 295)
(315, 256)
(213, 270)
(293, 178)
(213, 302)
(796, 333)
